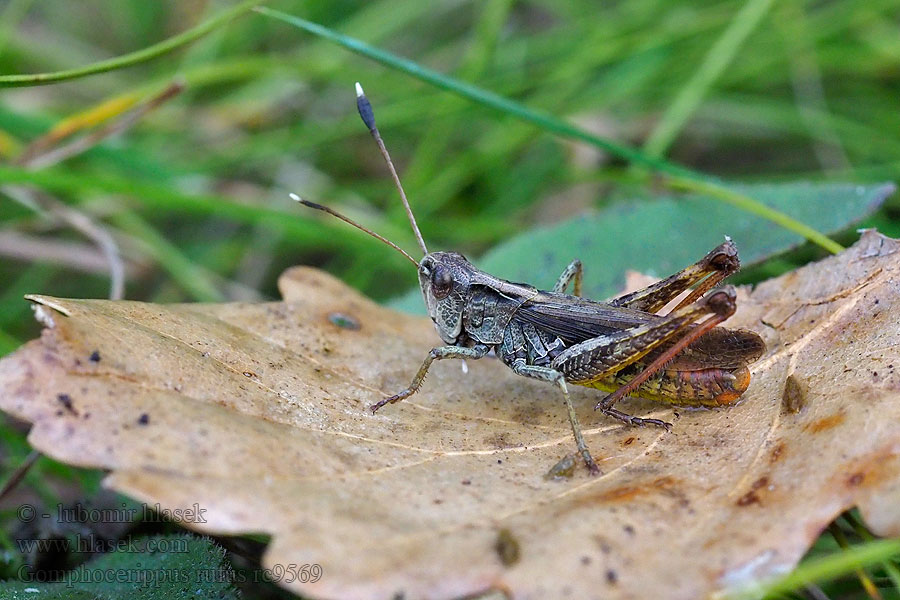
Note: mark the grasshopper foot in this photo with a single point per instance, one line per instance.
(374, 408)
(589, 462)
(630, 420)
(390, 400)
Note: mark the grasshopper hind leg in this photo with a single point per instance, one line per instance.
(707, 272)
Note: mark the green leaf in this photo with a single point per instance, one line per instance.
(661, 236)
(156, 568)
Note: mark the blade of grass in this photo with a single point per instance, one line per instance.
(889, 567)
(820, 569)
(8, 343)
(714, 63)
(37, 157)
(809, 91)
(95, 115)
(478, 95)
(748, 204)
(132, 58)
(192, 278)
(10, 16)
(19, 473)
(47, 205)
(302, 232)
(868, 585)
(554, 125)
(424, 164)
(31, 279)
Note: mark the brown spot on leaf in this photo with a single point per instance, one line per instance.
(66, 401)
(507, 547)
(752, 496)
(497, 440)
(777, 452)
(747, 499)
(761, 482)
(825, 423)
(856, 479)
(617, 494)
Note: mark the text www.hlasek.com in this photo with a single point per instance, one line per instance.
(92, 544)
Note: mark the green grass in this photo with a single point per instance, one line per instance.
(504, 117)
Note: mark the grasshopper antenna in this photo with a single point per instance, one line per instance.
(334, 213)
(368, 117)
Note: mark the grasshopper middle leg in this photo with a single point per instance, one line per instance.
(575, 271)
(554, 376)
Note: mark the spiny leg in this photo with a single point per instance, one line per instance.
(441, 352)
(718, 264)
(554, 376)
(574, 270)
(603, 356)
(723, 306)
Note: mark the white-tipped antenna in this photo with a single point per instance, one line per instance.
(368, 117)
(334, 213)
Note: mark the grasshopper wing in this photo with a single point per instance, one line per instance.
(576, 319)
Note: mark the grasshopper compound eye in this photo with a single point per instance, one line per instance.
(441, 282)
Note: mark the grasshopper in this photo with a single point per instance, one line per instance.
(622, 346)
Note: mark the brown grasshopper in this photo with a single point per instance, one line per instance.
(623, 346)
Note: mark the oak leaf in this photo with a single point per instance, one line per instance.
(257, 413)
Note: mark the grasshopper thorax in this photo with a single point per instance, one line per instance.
(445, 279)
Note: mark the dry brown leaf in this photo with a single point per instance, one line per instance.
(258, 413)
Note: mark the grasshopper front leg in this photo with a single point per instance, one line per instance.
(441, 352)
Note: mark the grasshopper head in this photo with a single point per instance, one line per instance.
(444, 278)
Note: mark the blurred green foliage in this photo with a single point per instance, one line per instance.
(195, 194)
(809, 93)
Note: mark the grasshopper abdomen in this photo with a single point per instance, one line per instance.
(706, 387)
